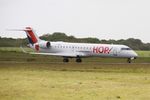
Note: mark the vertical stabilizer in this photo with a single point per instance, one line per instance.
(32, 37)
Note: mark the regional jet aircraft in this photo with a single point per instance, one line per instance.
(77, 50)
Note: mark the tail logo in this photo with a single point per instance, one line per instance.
(31, 36)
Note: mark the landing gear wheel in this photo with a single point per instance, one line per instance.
(65, 60)
(129, 60)
(78, 60)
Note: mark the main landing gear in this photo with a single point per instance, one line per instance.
(65, 59)
(78, 60)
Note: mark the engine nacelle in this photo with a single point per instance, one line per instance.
(44, 44)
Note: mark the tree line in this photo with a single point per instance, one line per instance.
(135, 44)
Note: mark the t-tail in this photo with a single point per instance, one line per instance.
(32, 37)
(34, 41)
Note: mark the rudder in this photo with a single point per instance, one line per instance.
(32, 37)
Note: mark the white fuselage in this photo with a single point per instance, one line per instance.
(76, 50)
(66, 49)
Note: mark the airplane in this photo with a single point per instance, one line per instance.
(76, 50)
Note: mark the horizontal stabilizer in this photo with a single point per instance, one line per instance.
(18, 29)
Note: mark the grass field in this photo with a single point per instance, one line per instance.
(36, 77)
(143, 53)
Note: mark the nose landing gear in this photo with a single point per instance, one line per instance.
(129, 60)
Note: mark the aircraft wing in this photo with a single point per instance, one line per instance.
(64, 54)
(83, 53)
(57, 54)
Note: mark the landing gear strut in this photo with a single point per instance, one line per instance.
(78, 59)
(129, 60)
(65, 59)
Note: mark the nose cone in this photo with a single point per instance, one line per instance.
(135, 55)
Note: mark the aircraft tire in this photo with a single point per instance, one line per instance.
(65, 60)
(78, 60)
(129, 60)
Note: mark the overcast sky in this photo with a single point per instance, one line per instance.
(103, 19)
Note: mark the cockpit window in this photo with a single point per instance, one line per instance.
(126, 49)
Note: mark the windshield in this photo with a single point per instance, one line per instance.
(126, 49)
